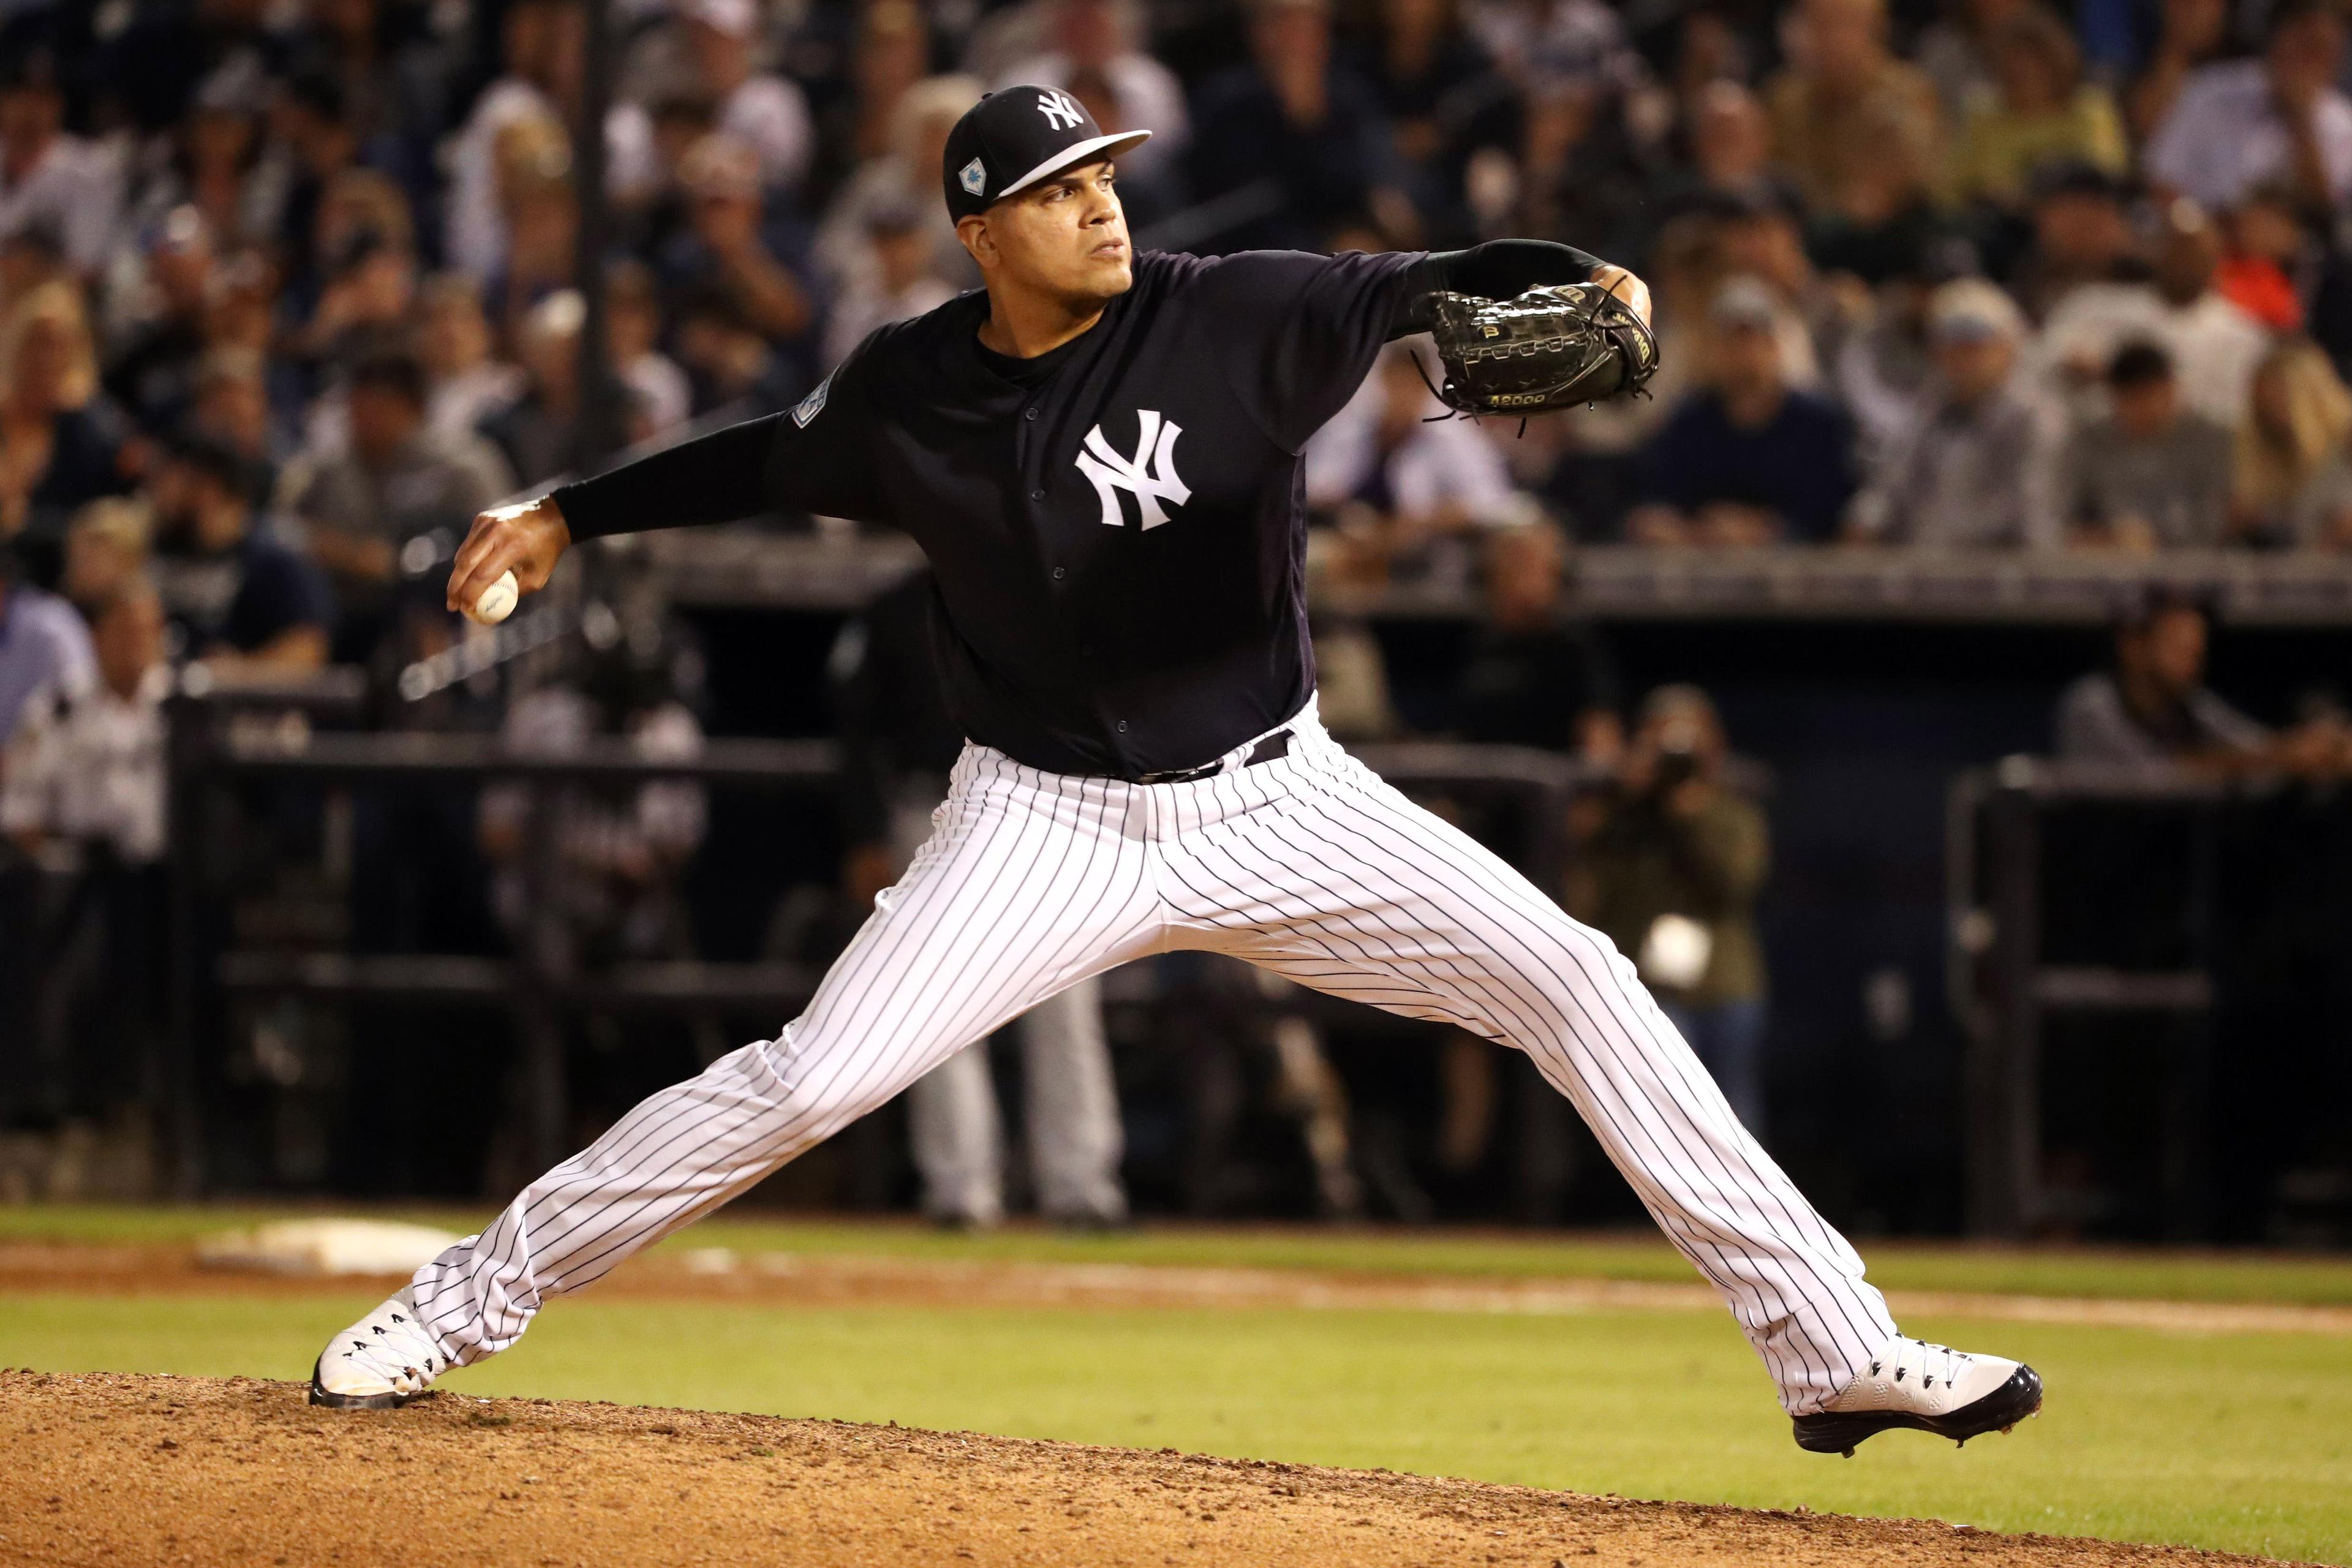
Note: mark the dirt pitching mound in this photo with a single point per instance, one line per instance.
(116, 1470)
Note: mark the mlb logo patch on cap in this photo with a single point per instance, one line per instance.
(1014, 139)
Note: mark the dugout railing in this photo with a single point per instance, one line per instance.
(2007, 987)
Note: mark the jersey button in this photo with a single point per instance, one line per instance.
(1122, 726)
(1060, 573)
(1031, 414)
(1037, 495)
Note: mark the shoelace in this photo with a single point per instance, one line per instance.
(1932, 1364)
(391, 1353)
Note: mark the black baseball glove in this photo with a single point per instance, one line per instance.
(1553, 347)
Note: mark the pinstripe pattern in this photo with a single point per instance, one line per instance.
(1310, 865)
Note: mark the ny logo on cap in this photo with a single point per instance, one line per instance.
(1150, 474)
(972, 177)
(1060, 112)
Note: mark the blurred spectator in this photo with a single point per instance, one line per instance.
(151, 374)
(1399, 480)
(1748, 459)
(1292, 144)
(2082, 236)
(232, 406)
(367, 274)
(2150, 474)
(399, 478)
(763, 110)
(61, 442)
(211, 162)
(1858, 128)
(900, 283)
(727, 248)
(659, 395)
(1978, 470)
(107, 547)
(82, 794)
(890, 52)
(1671, 875)
(1535, 674)
(727, 363)
(2154, 706)
(43, 644)
(2292, 484)
(2237, 124)
(311, 145)
(468, 385)
(1730, 150)
(1100, 38)
(541, 210)
(48, 179)
(539, 432)
(2045, 113)
(2214, 344)
(904, 178)
(2268, 255)
(237, 598)
(1960, 53)
(2190, 33)
(542, 44)
(85, 769)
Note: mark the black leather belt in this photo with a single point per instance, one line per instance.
(1273, 746)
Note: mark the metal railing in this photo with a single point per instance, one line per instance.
(2004, 989)
(755, 568)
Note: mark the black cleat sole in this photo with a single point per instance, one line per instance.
(320, 1396)
(1831, 1433)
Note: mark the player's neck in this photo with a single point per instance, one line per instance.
(1024, 326)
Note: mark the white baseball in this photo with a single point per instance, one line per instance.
(497, 600)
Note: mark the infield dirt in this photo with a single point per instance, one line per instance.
(115, 1471)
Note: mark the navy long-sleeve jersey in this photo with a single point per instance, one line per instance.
(1117, 528)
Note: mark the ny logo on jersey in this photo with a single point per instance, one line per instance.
(1060, 111)
(1150, 474)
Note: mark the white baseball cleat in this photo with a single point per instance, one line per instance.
(1933, 1388)
(379, 1362)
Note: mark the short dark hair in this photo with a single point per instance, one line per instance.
(2285, 13)
(2142, 606)
(394, 369)
(211, 459)
(2141, 364)
(321, 91)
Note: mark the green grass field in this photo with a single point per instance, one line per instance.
(2241, 1441)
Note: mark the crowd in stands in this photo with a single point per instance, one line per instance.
(286, 284)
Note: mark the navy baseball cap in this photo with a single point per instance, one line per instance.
(1011, 140)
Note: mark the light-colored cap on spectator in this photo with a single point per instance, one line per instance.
(1970, 309)
(736, 18)
(1744, 302)
(559, 316)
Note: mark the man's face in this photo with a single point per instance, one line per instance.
(1066, 238)
(382, 419)
(2171, 650)
(28, 117)
(2304, 55)
(129, 641)
(1747, 357)
(2079, 230)
(2147, 409)
(1973, 367)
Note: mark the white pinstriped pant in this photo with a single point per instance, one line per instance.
(1309, 865)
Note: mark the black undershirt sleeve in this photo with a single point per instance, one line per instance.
(716, 478)
(1498, 270)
